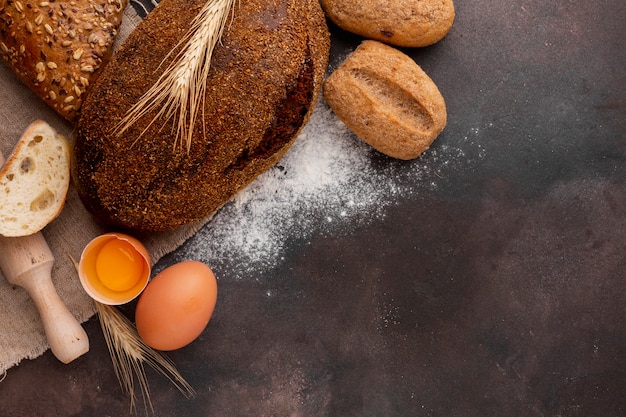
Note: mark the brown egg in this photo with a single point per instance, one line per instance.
(176, 305)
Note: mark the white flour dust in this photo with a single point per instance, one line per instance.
(326, 181)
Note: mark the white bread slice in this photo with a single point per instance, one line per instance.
(34, 181)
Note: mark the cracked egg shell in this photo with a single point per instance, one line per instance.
(114, 268)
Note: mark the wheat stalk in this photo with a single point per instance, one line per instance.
(129, 354)
(179, 92)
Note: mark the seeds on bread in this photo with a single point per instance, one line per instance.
(57, 47)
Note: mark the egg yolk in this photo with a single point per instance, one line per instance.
(119, 266)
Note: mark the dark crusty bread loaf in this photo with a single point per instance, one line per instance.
(266, 74)
(57, 47)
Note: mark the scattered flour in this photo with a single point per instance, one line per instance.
(327, 181)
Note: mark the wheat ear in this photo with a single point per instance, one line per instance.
(129, 354)
(179, 92)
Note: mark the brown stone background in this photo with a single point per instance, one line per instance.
(499, 293)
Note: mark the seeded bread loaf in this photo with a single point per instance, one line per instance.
(56, 47)
(265, 77)
(34, 181)
(387, 100)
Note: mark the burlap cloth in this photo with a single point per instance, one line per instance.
(21, 331)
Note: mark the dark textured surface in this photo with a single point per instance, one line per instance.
(499, 293)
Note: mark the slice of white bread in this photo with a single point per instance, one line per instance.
(34, 181)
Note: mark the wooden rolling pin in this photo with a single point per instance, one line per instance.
(27, 261)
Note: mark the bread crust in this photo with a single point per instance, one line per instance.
(264, 80)
(57, 47)
(34, 181)
(403, 23)
(387, 100)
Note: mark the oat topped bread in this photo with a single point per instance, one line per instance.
(265, 77)
(57, 47)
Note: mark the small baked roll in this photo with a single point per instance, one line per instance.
(387, 100)
(403, 23)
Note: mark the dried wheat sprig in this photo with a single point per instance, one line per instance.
(129, 354)
(179, 92)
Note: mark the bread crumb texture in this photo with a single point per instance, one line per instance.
(403, 23)
(34, 181)
(387, 100)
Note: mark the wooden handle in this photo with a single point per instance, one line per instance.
(27, 261)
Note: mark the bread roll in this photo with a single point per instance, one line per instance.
(387, 100)
(57, 47)
(265, 77)
(403, 23)
(34, 181)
